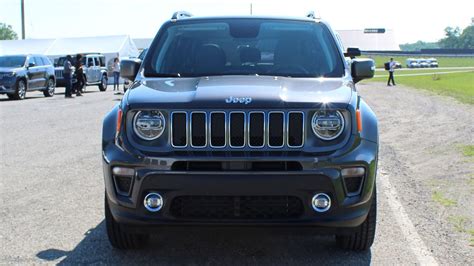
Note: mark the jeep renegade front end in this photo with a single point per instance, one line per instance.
(242, 121)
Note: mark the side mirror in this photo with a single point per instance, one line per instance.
(31, 64)
(362, 69)
(129, 68)
(352, 52)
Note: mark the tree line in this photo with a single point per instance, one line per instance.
(454, 39)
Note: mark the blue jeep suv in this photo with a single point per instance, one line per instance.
(21, 73)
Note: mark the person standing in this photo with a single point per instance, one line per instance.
(79, 75)
(67, 74)
(116, 70)
(391, 69)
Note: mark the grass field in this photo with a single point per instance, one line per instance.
(457, 85)
(442, 61)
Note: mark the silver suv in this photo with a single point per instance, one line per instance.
(95, 70)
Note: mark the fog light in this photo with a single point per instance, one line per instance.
(153, 202)
(123, 171)
(321, 202)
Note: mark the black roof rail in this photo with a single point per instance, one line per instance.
(181, 15)
(312, 15)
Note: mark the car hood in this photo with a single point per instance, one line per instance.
(10, 69)
(250, 91)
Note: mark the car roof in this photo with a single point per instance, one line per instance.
(306, 19)
(24, 55)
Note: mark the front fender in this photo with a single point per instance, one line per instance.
(370, 129)
(109, 127)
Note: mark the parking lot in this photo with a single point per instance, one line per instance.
(52, 190)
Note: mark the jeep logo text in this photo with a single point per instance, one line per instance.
(244, 100)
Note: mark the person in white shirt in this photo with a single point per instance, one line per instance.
(116, 70)
(392, 66)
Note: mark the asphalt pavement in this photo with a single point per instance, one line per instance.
(52, 196)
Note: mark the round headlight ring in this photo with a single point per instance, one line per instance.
(320, 113)
(157, 115)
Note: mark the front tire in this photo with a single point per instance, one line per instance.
(49, 91)
(20, 91)
(103, 83)
(119, 238)
(363, 238)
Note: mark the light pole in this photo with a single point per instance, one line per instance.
(23, 19)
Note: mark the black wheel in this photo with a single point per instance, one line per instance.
(364, 237)
(50, 89)
(119, 238)
(103, 83)
(20, 91)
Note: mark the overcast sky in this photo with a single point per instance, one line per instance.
(412, 20)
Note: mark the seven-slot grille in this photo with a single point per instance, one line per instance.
(237, 129)
(58, 73)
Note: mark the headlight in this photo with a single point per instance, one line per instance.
(149, 125)
(327, 124)
(9, 75)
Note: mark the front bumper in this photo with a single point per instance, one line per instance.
(319, 174)
(6, 88)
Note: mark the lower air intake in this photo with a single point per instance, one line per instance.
(236, 207)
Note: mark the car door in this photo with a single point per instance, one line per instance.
(97, 68)
(33, 73)
(42, 71)
(89, 63)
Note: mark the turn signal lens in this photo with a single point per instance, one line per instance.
(359, 121)
(119, 120)
(353, 171)
(123, 171)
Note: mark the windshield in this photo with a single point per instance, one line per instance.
(61, 61)
(12, 61)
(244, 47)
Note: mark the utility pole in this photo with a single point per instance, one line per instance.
(23, 19)
(251, 11)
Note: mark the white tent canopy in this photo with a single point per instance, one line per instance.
(369, 41)
(110, 46)
(32, 46)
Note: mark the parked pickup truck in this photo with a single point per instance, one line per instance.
(95, 71)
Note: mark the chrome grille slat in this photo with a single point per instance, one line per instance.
(198, 129)
(289, 137)
(232, 123)
(238, 129)
(253, 129)
(271, 132)
(175, 130)
(215, 137)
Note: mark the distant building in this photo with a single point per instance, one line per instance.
(370, 39)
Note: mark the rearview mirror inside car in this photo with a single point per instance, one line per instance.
(352, 52)
(362, 68)
(129, 68)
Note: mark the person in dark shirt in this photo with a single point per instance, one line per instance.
(79, 76)
(391, 69)
(68, 76)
